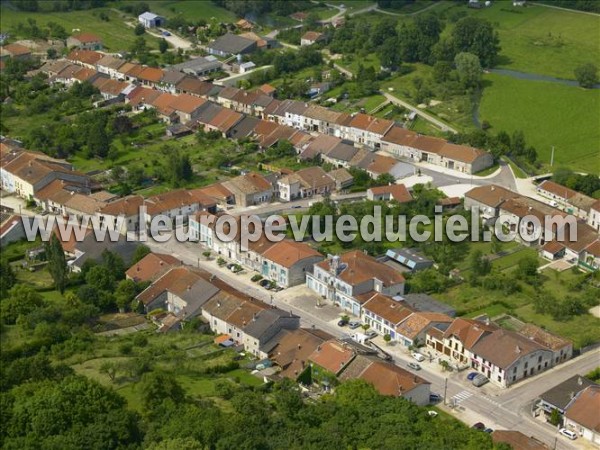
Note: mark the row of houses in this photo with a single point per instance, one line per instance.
(351, 130)
(503, 356)
(572, 202)
(514, 210)
(308, 356)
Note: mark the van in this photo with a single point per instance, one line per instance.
(418, 356)
(568, 433)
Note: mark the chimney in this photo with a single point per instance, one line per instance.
(218, 304)
(254, 317)
(318, 348)
(299, 346)
(518, 349)
(579, 381)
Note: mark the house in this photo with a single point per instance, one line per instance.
(383, 314)
(112, 89)
(591, 256)
(85, 58)
(310, 38)
(341, 279)
(250, 189)
(594, 216)
(464, 158)
(223, 120)
(262, 42)
(293, 347)
(193, 86)
(179, 203)
(91, 249)
(150, 76)
(82, 207)
(151, 267)
(231, 44)
(396, 192)
(15, 51)
(581, 415)
(561, 348)
(287, 262)
(11, 228)
(560, 396)
(343, 179)
(110, 65)
(127, 209)
(388, 379)
(29, 172)
(181, 291)
(413, 329)
(517, 440)
(410, 258)
(567, 199)
(263, 326)
(243, 67)
(488, 199)
(169, 80)
(332, 357)
(53, 197)
(200, 66)
(151, 20)
(85, 41)
(449, 203)
(267, 89)
(368, 130)
(305, 183)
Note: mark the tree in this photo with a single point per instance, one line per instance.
(114, 263)
(163, 45)
(57, 263)
(21, 300)
(139, 29)
(97, 139)
(125, 293)
(587, 75)
(480, 264)
(555, 417)
(156, 387)
(100, 278)
(387, 338)
(7, 278)
(477, 36)
(140, 252)
(468, 69)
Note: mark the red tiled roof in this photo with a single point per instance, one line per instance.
(397, 192)
(332, 356)
(390, 379)
(151, 266)
(557, 189)
(151, 74)
(85, 56)
(87, 38)
(286, 253)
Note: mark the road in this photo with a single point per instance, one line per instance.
(443, 126)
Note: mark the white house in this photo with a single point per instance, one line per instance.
(151, 20)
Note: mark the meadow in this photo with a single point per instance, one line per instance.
(115, 34)
(550, 114)
(540, 40)
(193, 10)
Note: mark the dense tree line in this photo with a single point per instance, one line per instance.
(579, 5)
(255, 8)
(586, 184)
(57, 5)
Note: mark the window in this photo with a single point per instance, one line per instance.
(526, 364)
(540, 359)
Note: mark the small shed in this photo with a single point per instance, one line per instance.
(410, 257)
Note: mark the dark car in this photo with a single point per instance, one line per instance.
(265, 283)
(479, 426)
(471, 376)
(488, 430)
(342, 323)
(434, 398)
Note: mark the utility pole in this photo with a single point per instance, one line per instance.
(552, 157)
(445, 389)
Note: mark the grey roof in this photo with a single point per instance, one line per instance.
(209, 113)
(561, 394)
(409, 257)
(342, 152)
(92, 249)
(231, 43)
(263, 100)
(172, 77)
(296, 107)
(426, 303)
(197, 295)
(149, 15)
(197, 65)
(264, 320)
(244, 127)
(111, 62)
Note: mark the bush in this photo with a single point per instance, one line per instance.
(256, 278)
(221, 261)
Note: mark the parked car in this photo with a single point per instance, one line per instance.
(371, 334)
(166, 33)
(432, 413)
(434, 398)
(418, 356)
(471, 376)
(488, 430)
(230, 266)
(479, 426)
(265, 283)
(342, 323)
(354, 324)
(414, 366)
(480, 380)
(568, 433)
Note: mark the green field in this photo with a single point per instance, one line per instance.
(549, 114)
(193, 10)
(540, 40)
(114, 33)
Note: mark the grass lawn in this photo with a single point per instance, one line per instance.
(193, 10)
(352, 5)
(423, 126)
(541, 40)
(488, 171)
(114, 33)
(549, 114)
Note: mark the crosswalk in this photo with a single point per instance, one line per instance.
(462, 395)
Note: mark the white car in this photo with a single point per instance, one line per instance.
(568, 433)
(418, 356)
(432, 413)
